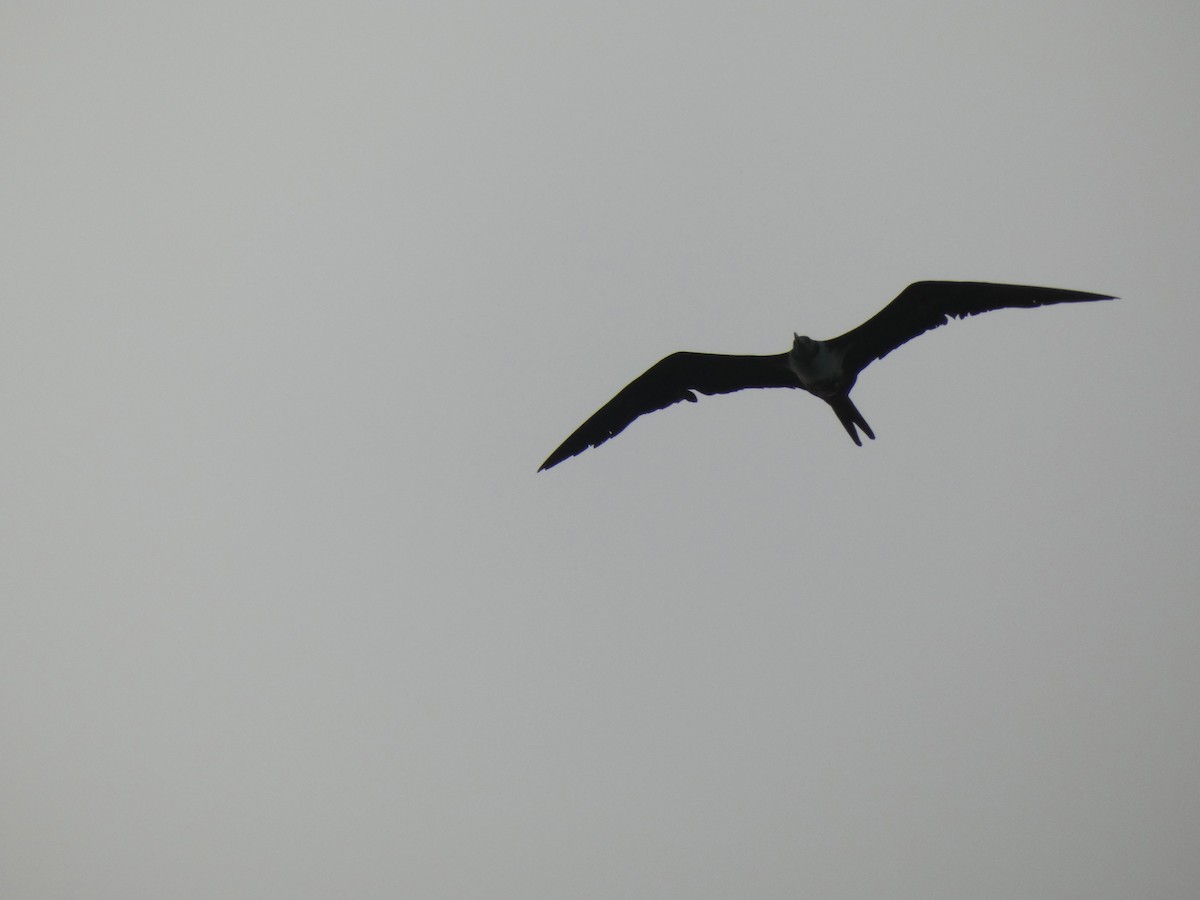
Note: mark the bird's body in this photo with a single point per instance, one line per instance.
(817, 365)
(826, 369)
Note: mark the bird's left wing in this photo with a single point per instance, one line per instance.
(670, 381)
(926, 305)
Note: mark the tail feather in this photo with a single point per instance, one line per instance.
(849, 416)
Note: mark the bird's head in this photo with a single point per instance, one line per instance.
(802, 346)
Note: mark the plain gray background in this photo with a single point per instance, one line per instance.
(297, 296)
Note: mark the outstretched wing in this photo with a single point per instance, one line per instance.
(926, 305)
(669, 381)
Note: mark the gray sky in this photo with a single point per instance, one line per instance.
(298, 296)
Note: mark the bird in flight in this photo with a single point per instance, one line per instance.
(826, 369)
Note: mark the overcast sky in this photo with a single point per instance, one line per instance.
(297, 296)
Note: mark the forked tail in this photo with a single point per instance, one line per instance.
(849, 416)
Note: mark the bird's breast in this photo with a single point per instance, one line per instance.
(820, 372)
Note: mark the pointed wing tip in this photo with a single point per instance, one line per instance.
(1084, 296)
(558, 456)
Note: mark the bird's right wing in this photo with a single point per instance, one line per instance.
(670, 381)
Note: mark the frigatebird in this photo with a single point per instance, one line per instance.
(826, 369)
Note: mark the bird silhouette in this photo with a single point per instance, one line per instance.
(826, 369)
